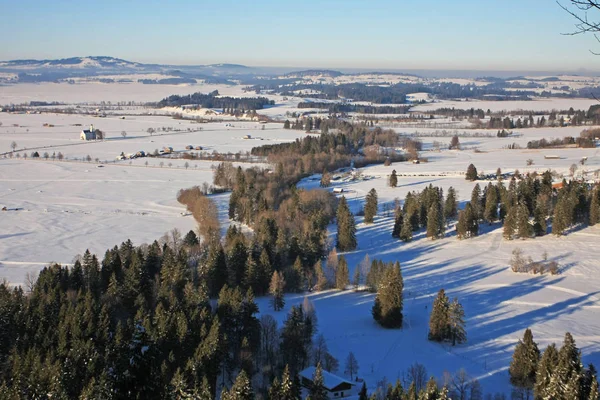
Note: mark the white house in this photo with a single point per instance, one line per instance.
(336, 387)
(88, 134)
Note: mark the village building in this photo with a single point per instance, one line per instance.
(336, 387)
(88, 134)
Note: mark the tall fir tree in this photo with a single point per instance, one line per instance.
(342, 275)
(439, 319)
(276, 290)
(456, 323)
(524, 364)
(398, 220)
(524, 228)
(388, 305)
(393, 179)
(317, 389)
(370, 209)
(490, 213)
(545, 372)
(346, 227)
(450, 205)
(471, 174)
(510, 223)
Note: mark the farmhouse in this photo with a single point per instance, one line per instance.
(336, 386)
(88, 134)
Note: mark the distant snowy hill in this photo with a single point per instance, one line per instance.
(100, 62)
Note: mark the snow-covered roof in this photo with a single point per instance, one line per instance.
(330, 381)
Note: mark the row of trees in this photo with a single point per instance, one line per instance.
(427, 209)
(553, 374)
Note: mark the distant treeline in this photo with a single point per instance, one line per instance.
(167, 81)
(213, 100)
(393, 94)
(362, 109)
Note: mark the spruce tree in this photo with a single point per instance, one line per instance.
(241, 389)
(539, 220)
(471, 174)
(476, 202)
(346, 227)
(450, 206)
(456, 317)
(431, 391)
(317, 389)
(524, 228)
(388, 305)
(566, 377)
(593, 395)
(595, 206)
(393, 179)
(439, 319)
(490, 213)
(342, 275)
(370, 209)
(276, 289)
(406, 231)
(398, 220)
(545, 372)
(321, 279)
(510, 223)
(461, 225)
(524, 364)
(433, 222)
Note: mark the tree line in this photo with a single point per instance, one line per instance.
(213, 100)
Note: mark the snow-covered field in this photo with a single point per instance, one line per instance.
(58, 209)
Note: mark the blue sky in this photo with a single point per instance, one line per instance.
(395, 34)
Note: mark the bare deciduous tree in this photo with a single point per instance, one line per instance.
(584, 22)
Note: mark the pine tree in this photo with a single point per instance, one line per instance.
(510, 223)
(322, 282)
(471, 174)
(461, 225)
(594, 390)
(456, 314)
(476, 202)
(362, 395)
(450, 206)
(398, 220)
(388, 305)
(346, 227)
(524, 228)
(566, 378)
(490, 213)
(560, 218)
(434, 222)
(595, 206)
(325, 179)
(439, 319)
(539, 220)
(370, 209)
(544, 373)
(275, 390)
(393, 179)
(431, 391)
(276, 289)
(342, 275)
(317, 389)
(241, 389)
(288, 388)
(524, 364)
(406, 231)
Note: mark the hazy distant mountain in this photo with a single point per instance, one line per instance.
(91, 62)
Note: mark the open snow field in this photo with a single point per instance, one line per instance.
(31, 134)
